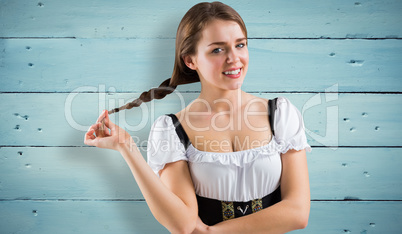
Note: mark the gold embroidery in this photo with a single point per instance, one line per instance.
(227, 210)
(256, 205)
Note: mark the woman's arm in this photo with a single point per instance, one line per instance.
(171, 198)
(289, 214)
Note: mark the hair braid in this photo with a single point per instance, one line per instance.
(155, 93)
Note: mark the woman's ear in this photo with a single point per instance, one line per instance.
(188, 60)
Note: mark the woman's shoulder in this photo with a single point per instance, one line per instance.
(162, 123)
(260, 103)
(283, 104)
(255, 103)
(280, 99)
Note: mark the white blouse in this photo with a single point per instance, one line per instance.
(234, 176)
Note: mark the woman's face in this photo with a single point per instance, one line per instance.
(221, 59)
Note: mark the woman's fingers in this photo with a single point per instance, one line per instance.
(103, 129)
(90, 133)
(89, 136)
(97, 129)
(94, 129)
(104, 133)
(109, 124)
(101, 116)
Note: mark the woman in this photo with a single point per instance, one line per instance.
(227, 167)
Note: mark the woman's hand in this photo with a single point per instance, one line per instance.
(201, 228)
(105, 134)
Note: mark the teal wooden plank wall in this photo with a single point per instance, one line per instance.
(62, 62)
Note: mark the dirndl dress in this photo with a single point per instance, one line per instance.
(234, 184)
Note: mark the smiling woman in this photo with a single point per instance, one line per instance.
(221, 168)
(221, 50)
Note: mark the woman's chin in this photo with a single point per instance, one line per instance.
(236, 85)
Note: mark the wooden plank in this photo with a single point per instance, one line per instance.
(91, 173)
(65, 173)
(354, 217)
(355, 173)
(77, 217)
(156, 18)
(60, 119)
(63, 65)
(127, 47)
(135, 217)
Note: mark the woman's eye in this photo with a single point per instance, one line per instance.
(241, 45)
(217, 50)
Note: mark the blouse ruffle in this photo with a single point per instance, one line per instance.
(164, 145)
(289, 127)
(238, 158)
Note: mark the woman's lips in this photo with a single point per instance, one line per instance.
(233, 74)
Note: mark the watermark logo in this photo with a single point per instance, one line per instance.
(329, 99)
(147, 112)
(324, 133)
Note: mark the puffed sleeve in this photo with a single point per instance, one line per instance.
(289, 127)
(164, 145)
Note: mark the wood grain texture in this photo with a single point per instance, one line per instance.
(59, 119)
(77, 217)
(136, 65)
(74, 173)
(62, 62)
(159, 19)
(135, 217)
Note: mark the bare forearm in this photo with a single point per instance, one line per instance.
(166, 206)
(174, 207)
(282, 217)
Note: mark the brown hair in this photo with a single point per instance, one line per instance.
(187, 37)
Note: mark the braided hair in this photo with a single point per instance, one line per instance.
(187, 36)
(155, 93)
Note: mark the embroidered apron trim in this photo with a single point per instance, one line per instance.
(227, 210)
(212, 211)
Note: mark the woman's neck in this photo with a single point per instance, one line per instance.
(222, 100)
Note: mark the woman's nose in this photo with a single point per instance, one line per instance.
(232, 56)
